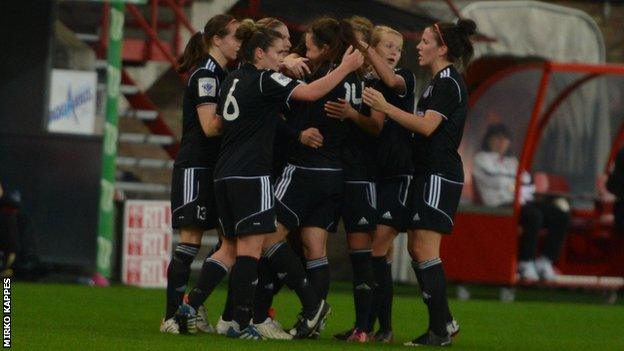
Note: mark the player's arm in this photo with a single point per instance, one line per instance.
(351, 61)
(310, 137)
(385, 72)
(343, 109)
(210, 122)
(423, 125)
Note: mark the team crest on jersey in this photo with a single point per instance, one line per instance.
(207, 87)
(428, 91)
(281, 79)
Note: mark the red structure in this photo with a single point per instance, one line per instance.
(484, 246)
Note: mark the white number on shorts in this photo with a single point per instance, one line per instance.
(231, 101)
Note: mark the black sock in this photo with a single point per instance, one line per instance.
(385, 309)
(286, 265)
(363, 283)
(264, 291)
(379, 268)
(228, 308)
(420, 284)
(178, 274)
(449, 317)
(318, 273)
(434, 294)
(212, 272)
(244, 280)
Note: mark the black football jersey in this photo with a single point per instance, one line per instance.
(286, 136)
(360, 147)
(447, 95)
(394, 151)
(334, 130)
(197, 150)
(249, 106)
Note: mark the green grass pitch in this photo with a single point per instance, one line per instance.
(72, 317)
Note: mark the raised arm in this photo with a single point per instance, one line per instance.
(385, 72)
(351, 61)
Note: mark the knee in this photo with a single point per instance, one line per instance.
(418, 253)
(226, 254)
(531, 216)
(423, 252)
(359, 241)
(313, 252)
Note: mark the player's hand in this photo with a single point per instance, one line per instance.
(341, 109)
(311, 137)
(352, 59)
(297, 66)
(375, 100)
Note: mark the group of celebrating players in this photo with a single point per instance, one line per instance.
(294, 140)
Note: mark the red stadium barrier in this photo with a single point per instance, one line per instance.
(484, 246)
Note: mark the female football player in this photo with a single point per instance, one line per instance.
(434, 194)
(192, 197)
(251, 99)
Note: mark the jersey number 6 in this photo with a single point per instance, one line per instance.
(231, 101)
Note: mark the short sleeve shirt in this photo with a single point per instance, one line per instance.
(447, 95)
(197, 150)
(334, 130)
(394, 152)
(249, 106)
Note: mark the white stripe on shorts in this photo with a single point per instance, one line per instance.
(438, 190)
(284, 181)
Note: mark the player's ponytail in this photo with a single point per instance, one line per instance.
(198, 46)
(253, 36)
(456, 37)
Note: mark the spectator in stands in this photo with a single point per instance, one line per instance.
(494, 175)
(615, 185)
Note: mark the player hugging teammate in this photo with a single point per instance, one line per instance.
(357, 150)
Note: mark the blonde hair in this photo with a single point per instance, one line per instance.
(271, 23)
(379, 31)
(362, 25)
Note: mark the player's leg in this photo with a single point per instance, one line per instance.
(214, 269)
(190, 216)
(382, 294)
(393, 213)
(359, 244)
(434, 200)
(244, 278)
(314, 241)
(192, 316)
(286, 265)
(359, 218)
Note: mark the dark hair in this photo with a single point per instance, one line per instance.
(253, 36)
(456, 37)
(197, 47)
(496, 129)
(336, 35)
